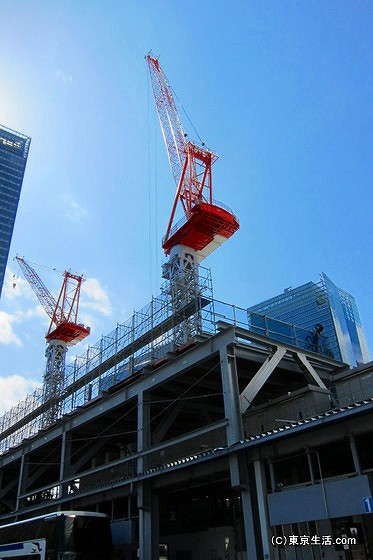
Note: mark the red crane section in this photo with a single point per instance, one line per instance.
(206, 223)
(63, 312)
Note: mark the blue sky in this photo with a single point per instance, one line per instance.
(282, 90)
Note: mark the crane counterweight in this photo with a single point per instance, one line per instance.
(69, 332)
(208, 226)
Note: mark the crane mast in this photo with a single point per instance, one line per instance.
(64, 331)
(205, 223)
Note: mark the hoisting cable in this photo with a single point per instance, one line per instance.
(187, 116)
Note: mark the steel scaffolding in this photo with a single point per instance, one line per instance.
(144, 340)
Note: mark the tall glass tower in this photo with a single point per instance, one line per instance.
(322, 305)
(14, 148)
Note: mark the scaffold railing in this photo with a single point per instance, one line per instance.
(143, 340)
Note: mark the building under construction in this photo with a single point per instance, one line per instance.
(224, 448)
(203, 430)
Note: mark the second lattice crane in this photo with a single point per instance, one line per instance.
(64, 328)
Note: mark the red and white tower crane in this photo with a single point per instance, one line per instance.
(205, 224)
(64, 330)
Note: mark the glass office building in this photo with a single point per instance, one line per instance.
(322, 307)
(14, 148)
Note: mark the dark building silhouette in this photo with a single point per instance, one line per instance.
(14, 148)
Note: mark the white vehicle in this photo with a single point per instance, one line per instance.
(73, 535)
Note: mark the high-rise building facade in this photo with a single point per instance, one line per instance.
(14, 148)
(322, 307)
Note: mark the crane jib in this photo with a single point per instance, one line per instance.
(204, 224)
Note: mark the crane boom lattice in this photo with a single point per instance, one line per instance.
(41, 291)
(171, 126)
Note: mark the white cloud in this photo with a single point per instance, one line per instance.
(75, 212)
(32, 312)
(64, 78)
(13, 389)
(21, 304)
(95, 298)
(15, 287)
(7, 334)
(36, 312)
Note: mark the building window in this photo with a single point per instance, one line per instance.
(292, 470)
(364, 445)
(333, 459)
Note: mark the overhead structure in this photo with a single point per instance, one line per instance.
(205, 224)
(64, 330)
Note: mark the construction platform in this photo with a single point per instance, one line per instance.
(188, 448)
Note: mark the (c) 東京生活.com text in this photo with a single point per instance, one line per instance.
(306, 540)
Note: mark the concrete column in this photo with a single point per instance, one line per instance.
(22, 482)
(235, 432)
(231, 395)
(248, 520)
(143, 429)
(355, 454)
(65, 460)
(155, 525)
(145, 520)
(272, 476)
(147, 503)
(261, 490)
